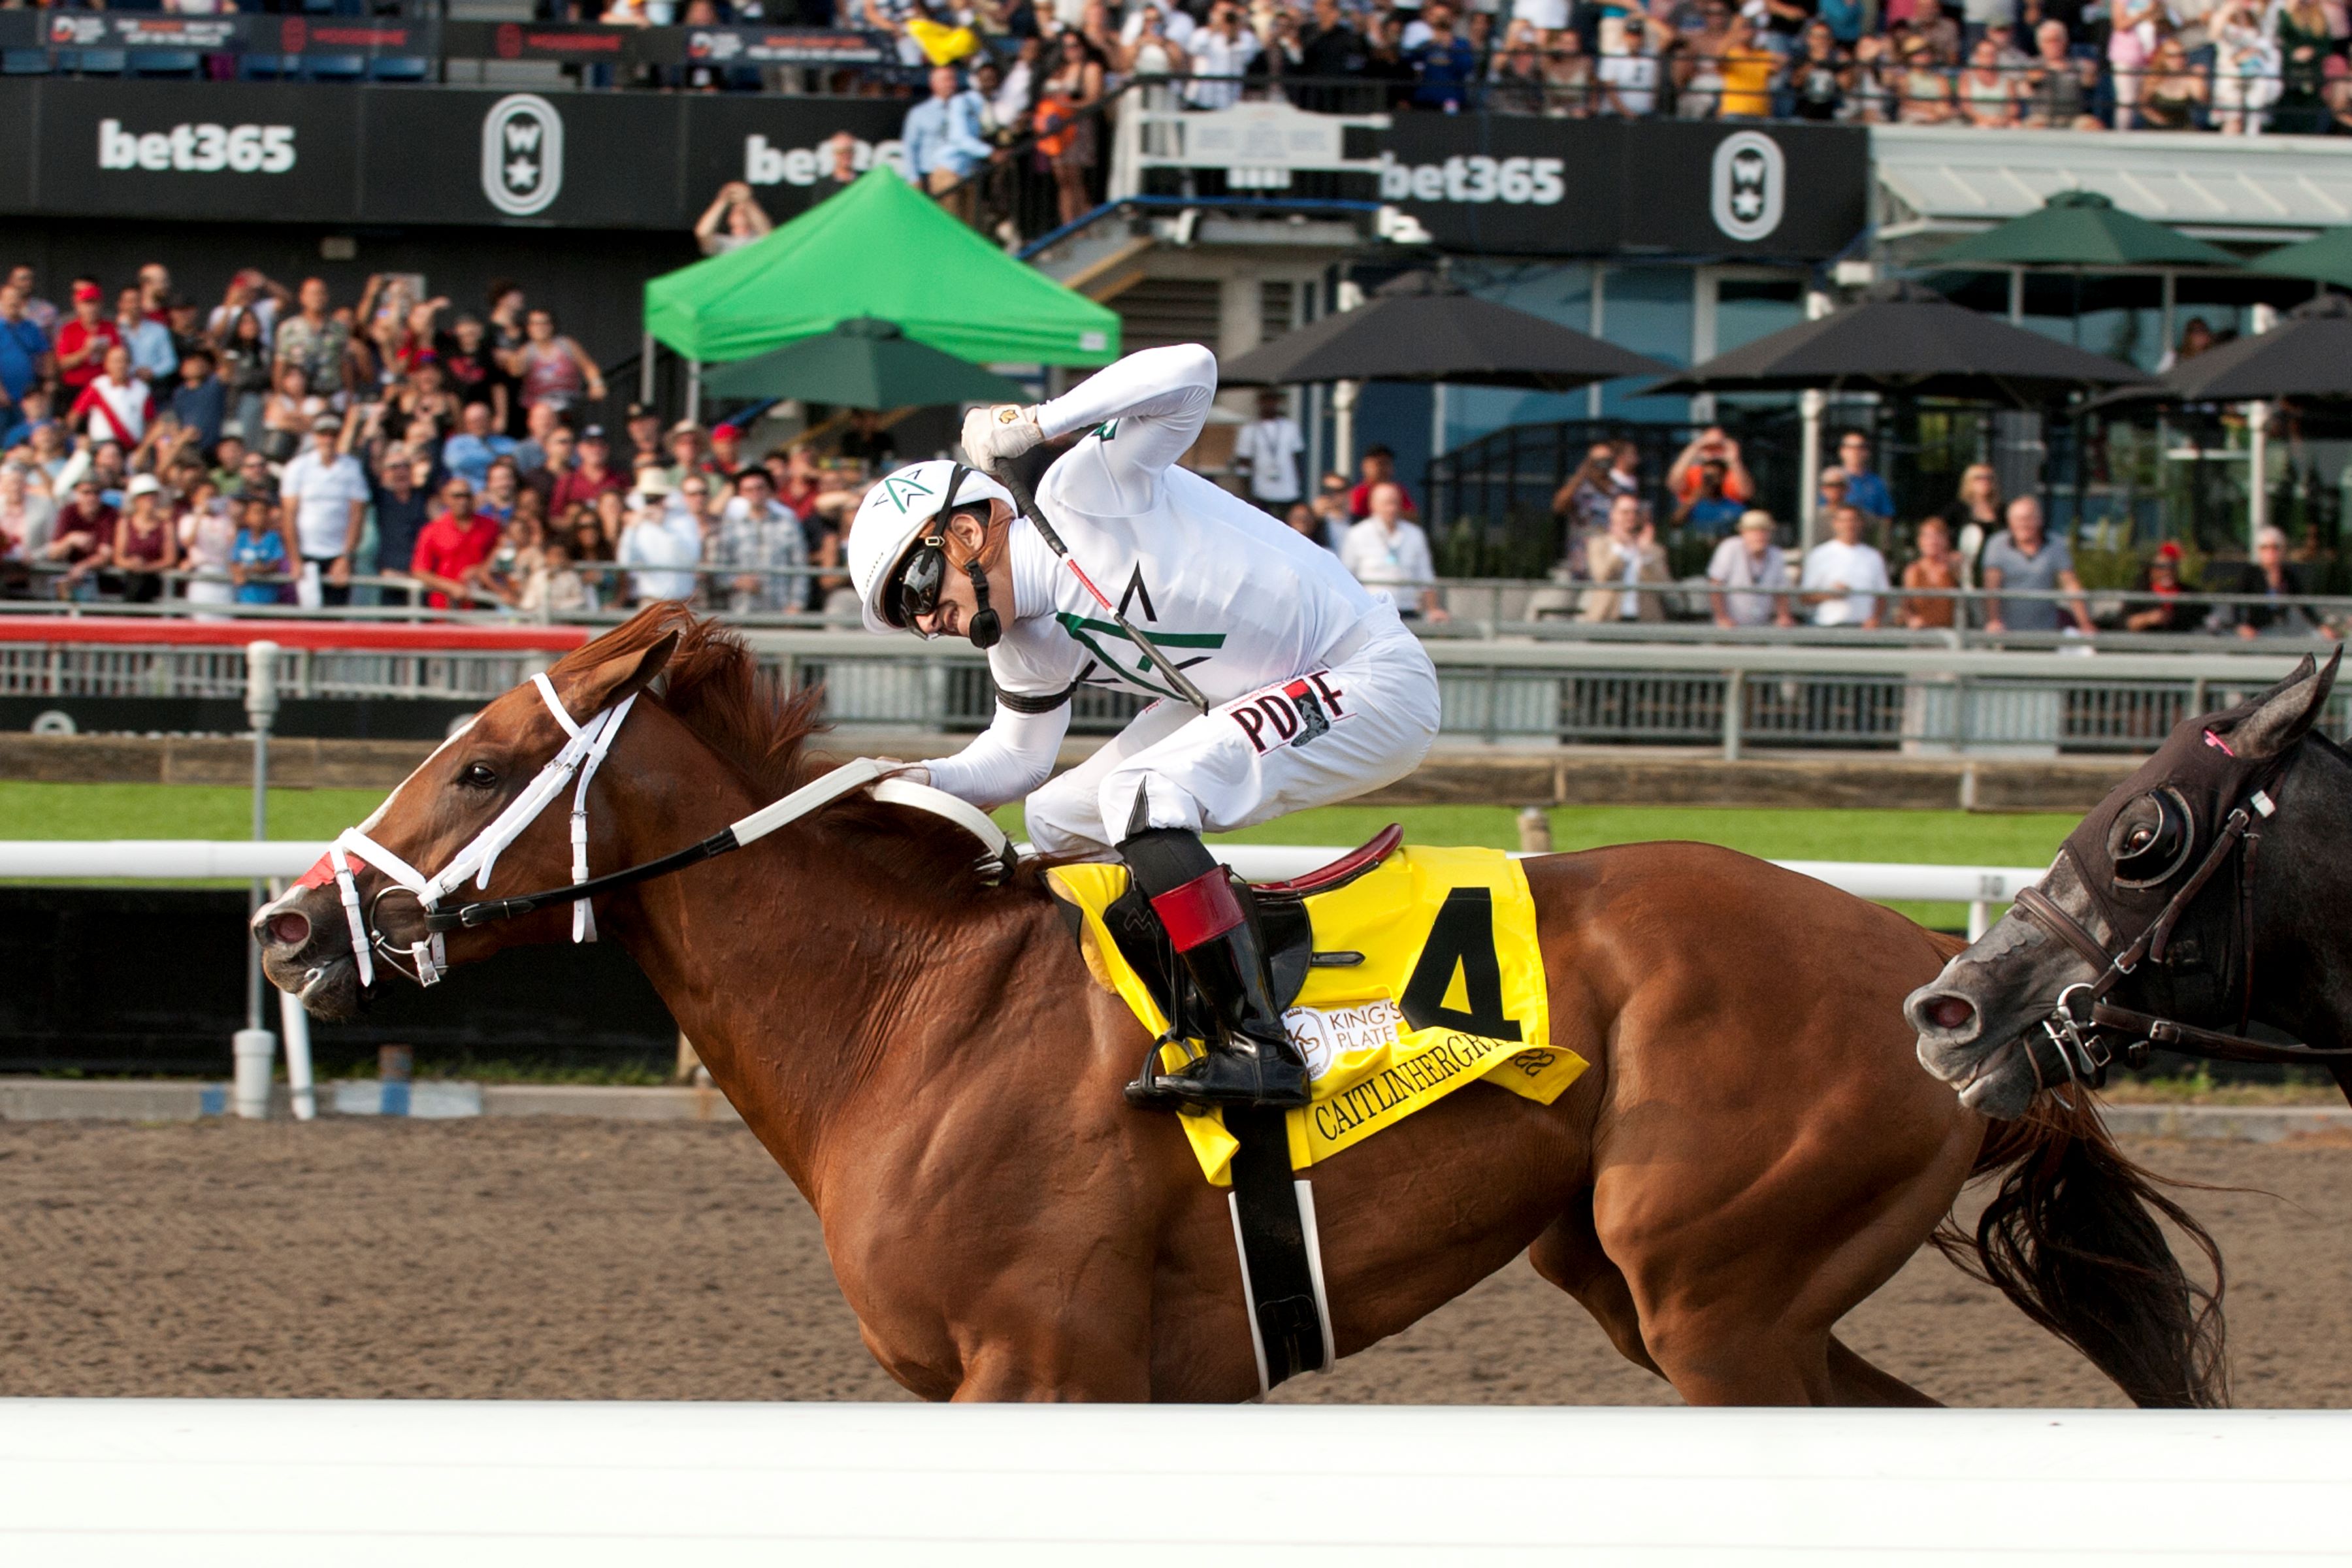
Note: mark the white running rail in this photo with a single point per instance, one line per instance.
(261, 1483)
(1981, 888)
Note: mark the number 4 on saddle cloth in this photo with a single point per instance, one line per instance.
(1402, 979)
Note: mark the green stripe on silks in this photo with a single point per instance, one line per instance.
(1086, 630)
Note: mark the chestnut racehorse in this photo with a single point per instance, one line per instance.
(1753, 1150)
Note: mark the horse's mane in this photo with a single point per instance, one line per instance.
(716, 687)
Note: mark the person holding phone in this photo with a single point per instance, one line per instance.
(733, 219)
(1686, 475)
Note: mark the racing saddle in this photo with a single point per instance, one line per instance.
(1278, 917)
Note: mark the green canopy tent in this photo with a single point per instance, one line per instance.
(2084, 232)
(879, 248)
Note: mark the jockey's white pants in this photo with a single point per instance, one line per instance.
(1324, 735)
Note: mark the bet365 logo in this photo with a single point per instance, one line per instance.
(197, 148)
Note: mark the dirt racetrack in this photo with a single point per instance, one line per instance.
(556, 1259)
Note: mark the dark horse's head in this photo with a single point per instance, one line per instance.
(309, 945)
(1980, 1022)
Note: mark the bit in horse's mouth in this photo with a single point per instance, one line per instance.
(1986, 1064)
(322, 977)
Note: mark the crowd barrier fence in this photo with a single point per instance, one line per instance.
(1926, 696)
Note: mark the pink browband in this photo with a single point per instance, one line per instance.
(2221, 745)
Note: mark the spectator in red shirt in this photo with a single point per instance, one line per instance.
(591, 479)
(452, 549)
(82, 539)
(1379, 468)
(82, 342)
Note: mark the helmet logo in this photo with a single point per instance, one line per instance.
(899, 487)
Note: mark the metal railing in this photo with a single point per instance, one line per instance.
(1920, 697)
(1486, 606)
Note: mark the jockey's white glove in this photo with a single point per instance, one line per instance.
(994, 437)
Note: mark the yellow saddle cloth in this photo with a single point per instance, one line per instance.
(1451, 990)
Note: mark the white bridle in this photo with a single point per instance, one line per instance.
(580, 756)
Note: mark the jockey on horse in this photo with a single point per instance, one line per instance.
(1314, 690)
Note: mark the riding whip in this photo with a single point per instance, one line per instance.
(1023, 498)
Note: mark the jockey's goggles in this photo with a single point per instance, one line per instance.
(914, 588)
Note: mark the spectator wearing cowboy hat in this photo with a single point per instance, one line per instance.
(687, 453)
(662, 544)
(1750, 560)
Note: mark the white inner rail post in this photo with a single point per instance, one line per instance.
(255, 1047)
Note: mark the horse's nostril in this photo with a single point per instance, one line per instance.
(1949, 1012)
(288, 929)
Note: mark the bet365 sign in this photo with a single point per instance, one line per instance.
(197, 148)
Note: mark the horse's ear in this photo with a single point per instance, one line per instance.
(590, 692)
(2285, 713)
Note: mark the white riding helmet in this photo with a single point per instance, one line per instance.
(892, 518)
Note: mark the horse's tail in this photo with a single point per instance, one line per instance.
(2072, 1238)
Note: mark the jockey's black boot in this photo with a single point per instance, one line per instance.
(1200, 906)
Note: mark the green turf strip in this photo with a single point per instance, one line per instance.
(1945, 837)
(174, 811)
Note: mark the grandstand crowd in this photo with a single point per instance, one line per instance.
(2236, 66)
(2239, 67)
(282, 448)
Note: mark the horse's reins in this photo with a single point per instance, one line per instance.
(2083, 1013)
(580, 756)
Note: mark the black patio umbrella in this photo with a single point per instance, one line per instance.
(1423, 329)
(2307, 354)
(1905, 340)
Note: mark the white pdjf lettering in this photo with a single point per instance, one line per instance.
(1289, 712)
(1530, 182)
(199, 148)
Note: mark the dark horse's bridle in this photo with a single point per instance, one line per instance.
(2082, 1026)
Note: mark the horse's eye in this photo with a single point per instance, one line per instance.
(478, 775)
(2147, 853)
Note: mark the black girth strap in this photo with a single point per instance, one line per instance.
(1277, 1274)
